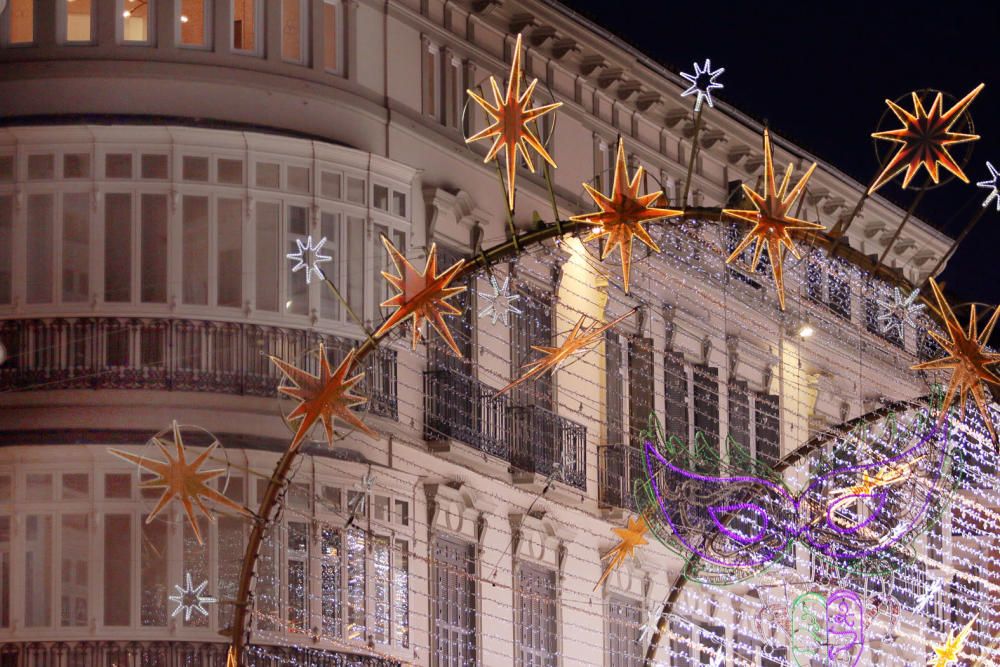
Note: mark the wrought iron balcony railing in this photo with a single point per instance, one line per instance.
(619, 466)
(173, 354)
(529, 437)
(169, 654)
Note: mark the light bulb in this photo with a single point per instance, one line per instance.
(806, 330)
(184, 19)
(126, 13)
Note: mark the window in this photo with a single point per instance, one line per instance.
(432, 79)
(536, 633)
(267, 266)
(675, 382)
(356, 579)
(640, 405)
(332, 39)
(153, 554)
(455, 92)
(118, 247)
(246, 19)
(193, 23)
(153, 248)
(76, 165)
(532, 327)
(680, 643)
(294, 30)
(194, 231)
(297, 559)
(739, 413)
(880, 321)
(706, 418)
(454, 601)
(827, 283)
(230, 249)
(78, 20)
(329, 304)
(5, 536)
(712, 641)
(624, 630)
(76, 247)
(614, 390)
(117, 569)
(135, 18)
(37, 566)
(298, 288)
(332, 581)
(6, 247)
(768, 440)
(41, 211)
(21, 21)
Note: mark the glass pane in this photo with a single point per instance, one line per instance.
(329, 304)
(193, 23)
(41, 167)
(153, 561)
(154, 248)
(356, 269)
(291, 30)
(267, 265)
(76, 247)
(355, 584)
(135, 20)
(355, 190)
(118, 247)
(230, 244)
(6, 246)
(118, 165)
(230, 172)
(380, 197)
(6, 168)
(75, 566)
(4, 571)
(329, 184)
(117, 569)
(76, 165)
(268, 175)
(298, 580)
(154, 166)
(331, 582)
(118, 485)
(230, 560)
(22, 21)
(266, 591)
(38, 487)
(244, 24)
(195, 255)
(399, 203)
(40, 242)
(196, 561)
(37, 571)
(78, 13)
(6, 487)
(194, 168)
(331, 61)
(401, 593)
(298, 289)
(298, 179)
(75, 486)
(380, 588)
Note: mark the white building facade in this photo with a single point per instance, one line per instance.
(158, 160)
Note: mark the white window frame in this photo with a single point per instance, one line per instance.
(121, 7)
(340, 50)
(62, 18)
(305, 32)
(259, 30)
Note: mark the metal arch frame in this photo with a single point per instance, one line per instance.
(516, 244)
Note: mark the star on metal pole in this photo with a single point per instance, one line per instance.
(702, 83)
(190, 599)
(898, 312)
(992, 186)
(307, 251)
(500, 304)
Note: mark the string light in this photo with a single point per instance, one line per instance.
(306, 251)
(703, 82)
(900, 311)
(992, 186)
(190, 598)
(499, 303)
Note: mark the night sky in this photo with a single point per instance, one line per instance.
(818, 73)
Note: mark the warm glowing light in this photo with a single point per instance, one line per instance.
(512, 114)
(632, 537)
(772, 222)
(184, 18)
(953, 645)
(992, 186)
(806, 331)
(702, 83)
(181, 480)
(925, 137)
(325, 397)
(967, 358)
(622, 215)
(126, 13)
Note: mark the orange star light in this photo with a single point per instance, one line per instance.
(771, 220)
(925, 137)
(578, 340)
(421, 295)
(623, 213)
(953, 645)
(631, 539)
(325, 397)
(182, 480)
(967, 358)
(512, 114)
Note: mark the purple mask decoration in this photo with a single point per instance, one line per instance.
(847, 514)
(833, 625)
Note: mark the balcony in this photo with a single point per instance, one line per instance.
(174, 355)
(165, 654)
(531, 438)
(618, 468)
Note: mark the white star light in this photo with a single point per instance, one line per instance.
(190, 599)
(702, 83)
(924, 599)
(302, 257)
(500, 304)
(649, 627)
(991, 186)
(899, 311)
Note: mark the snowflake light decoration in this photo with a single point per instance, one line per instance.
(702, 83)
(500, 303)
(303, 255)
(190, 599)
(647, 629)
(992, 186)
(898, 312)
(927, 596)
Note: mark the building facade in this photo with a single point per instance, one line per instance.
(159, 159)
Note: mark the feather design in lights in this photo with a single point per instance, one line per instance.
(924, 139)
(511, 114)
(771, 220)
(622, 214)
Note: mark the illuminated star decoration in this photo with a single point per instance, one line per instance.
(180, 479)
(577, 341)
(966, 357)
(623, 213)
(325, 397)
(512, 114)
(302, 257)
(772, 222)
(422, 295)
(702, 83)
(953, 645)
(899, 312)
(500, 304)
(632, 537)
(190, 599)
(925, 137)
(992, 186)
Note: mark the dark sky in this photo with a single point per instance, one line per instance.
(819, 72)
